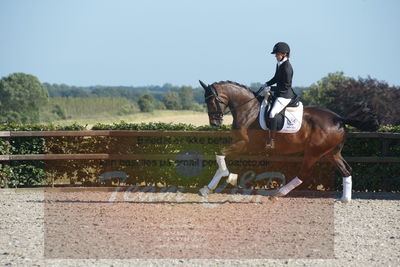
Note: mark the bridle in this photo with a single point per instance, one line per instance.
(219, 112)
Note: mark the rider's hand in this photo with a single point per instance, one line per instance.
(263, 87)
(266, 88)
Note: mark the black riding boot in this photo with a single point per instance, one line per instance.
(274, 126)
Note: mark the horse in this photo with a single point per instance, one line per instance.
(322, 134)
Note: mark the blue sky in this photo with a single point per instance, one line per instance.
(152, 42)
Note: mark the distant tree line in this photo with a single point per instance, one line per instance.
(148, 98)
(77, 108)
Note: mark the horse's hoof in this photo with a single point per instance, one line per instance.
(232, 179)
(272, 198)
(278, 194)
(204, 191)
(345, 199)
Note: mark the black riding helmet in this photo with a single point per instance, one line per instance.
(281, 47)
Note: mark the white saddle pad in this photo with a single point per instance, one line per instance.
(293, 118)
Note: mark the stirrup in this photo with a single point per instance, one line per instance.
(270, 145)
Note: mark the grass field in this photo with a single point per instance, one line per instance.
(166, 116)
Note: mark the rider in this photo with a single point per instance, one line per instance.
(283, 91)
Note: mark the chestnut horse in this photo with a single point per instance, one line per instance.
(322, 134)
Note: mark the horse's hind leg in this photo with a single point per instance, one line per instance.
(311, 156)
(345, 169)
(308, 161)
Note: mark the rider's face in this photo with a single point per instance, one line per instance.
(279, 56)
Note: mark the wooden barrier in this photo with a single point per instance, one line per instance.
(385, 137)
(119, 133)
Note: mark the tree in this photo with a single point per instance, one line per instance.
(146, 103)
(324, 92)
(171, 100)
(21, 97)
(198, 95)
(340, 94)
(186, 97)
(59, 111)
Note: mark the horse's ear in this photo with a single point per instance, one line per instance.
(203, 85)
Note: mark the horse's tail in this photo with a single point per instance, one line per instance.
(362, 117)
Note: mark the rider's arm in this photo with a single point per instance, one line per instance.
(274, 79)
(287, 77)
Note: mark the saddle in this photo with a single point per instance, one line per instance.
(288, 120)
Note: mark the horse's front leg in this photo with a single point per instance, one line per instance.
(223, 171)
(237, 147)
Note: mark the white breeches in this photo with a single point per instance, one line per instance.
(279, 104)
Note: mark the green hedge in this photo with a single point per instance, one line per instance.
(371, 177)
(159, 126)
(375, 176)
(26, 173)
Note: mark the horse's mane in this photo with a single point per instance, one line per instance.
(233, 83)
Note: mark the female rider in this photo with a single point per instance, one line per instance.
(283, 91)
